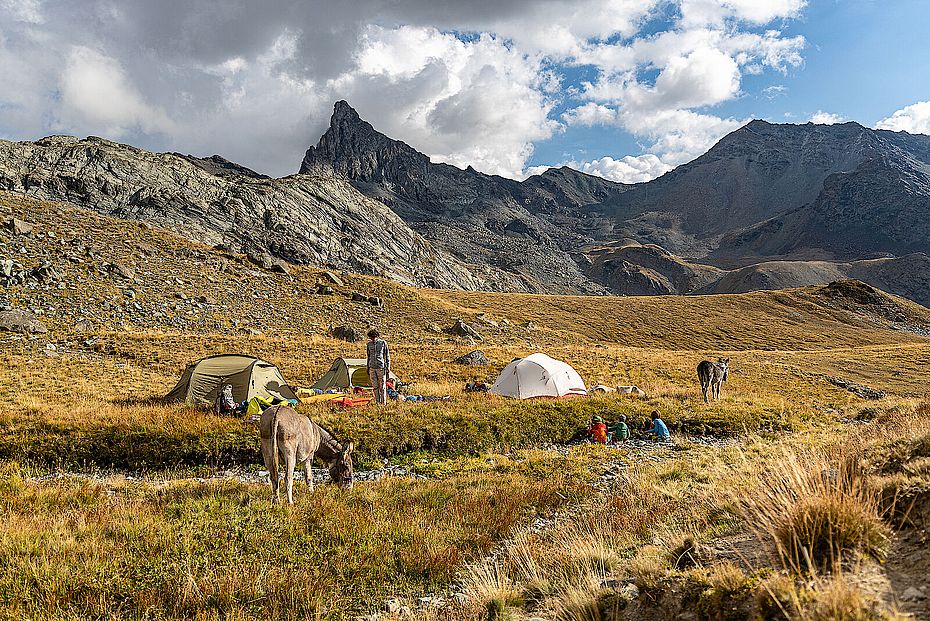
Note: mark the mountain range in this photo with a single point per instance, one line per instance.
(768, 206)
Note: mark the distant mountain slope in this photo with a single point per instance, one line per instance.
(304, 219)
(763, 199)
(907, 276)
(764, 191)
(880, 208)
(754, 173)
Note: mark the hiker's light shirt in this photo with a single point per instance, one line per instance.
(659, 428)
(378, 355)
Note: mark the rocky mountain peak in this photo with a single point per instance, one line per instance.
(352, 148)
(342, 112)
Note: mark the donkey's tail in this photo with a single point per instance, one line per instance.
(274, 436)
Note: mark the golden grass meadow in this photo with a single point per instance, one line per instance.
(789, 498)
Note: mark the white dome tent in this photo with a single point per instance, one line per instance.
(538, 375)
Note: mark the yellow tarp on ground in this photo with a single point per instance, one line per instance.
(323, 397)
(257, 405)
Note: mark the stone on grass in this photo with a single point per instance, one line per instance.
(345, 333)
(475, 358)
(460, 328)
(19, 227)
(21, 321)
(333, 279)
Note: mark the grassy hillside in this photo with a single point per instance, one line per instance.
(226, 293)
(83, 399)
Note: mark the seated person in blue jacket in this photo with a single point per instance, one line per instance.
(659, 429)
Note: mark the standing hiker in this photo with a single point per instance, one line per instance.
(379, 364)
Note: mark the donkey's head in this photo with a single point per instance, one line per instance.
(340, 470)
(725, 363)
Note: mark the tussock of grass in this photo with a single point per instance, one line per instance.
(648, 568)
(580, 603)
(817, 509)
(492, 589)
(838, 600)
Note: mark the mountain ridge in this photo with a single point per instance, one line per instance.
(765, 195)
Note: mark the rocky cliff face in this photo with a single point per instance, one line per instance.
(768, 204)
(482, 219)
(303, 219)
(764, 191)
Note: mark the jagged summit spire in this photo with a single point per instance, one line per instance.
(342, 110)
(353, 148)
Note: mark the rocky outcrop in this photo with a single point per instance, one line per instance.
(768, 206)
(303, 219)
(638, 269)
(476, 358)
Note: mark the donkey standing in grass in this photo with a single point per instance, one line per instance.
(712, 375)
(300, 440)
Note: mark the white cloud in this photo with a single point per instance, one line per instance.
(697, 69)
(478, 103)
(256, 81)
(591, 114)
(914, 119)
(704, 77)
(676, 136)
(774, 91)
(703, 12)
(23, 10)
(679, 136)
(98, 98)
(628, 169)
(825, 118)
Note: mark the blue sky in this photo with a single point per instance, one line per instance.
(862, 61)
(626, 89)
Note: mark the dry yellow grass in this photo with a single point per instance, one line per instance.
(73, 550)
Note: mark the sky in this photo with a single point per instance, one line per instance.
(624, 89)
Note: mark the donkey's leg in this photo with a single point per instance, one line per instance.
(290, 457)
(271, 465)
(308, 471)
(704, 387)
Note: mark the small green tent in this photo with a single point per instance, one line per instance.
(345, 373)
(249, 376)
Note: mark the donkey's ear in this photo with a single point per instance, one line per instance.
(348, 449)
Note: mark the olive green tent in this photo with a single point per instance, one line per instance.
(249, 376)
(347, 372)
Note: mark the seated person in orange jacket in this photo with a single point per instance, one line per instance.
(597, 432)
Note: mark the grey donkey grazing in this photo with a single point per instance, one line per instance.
(300, 440)
(712, 375)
